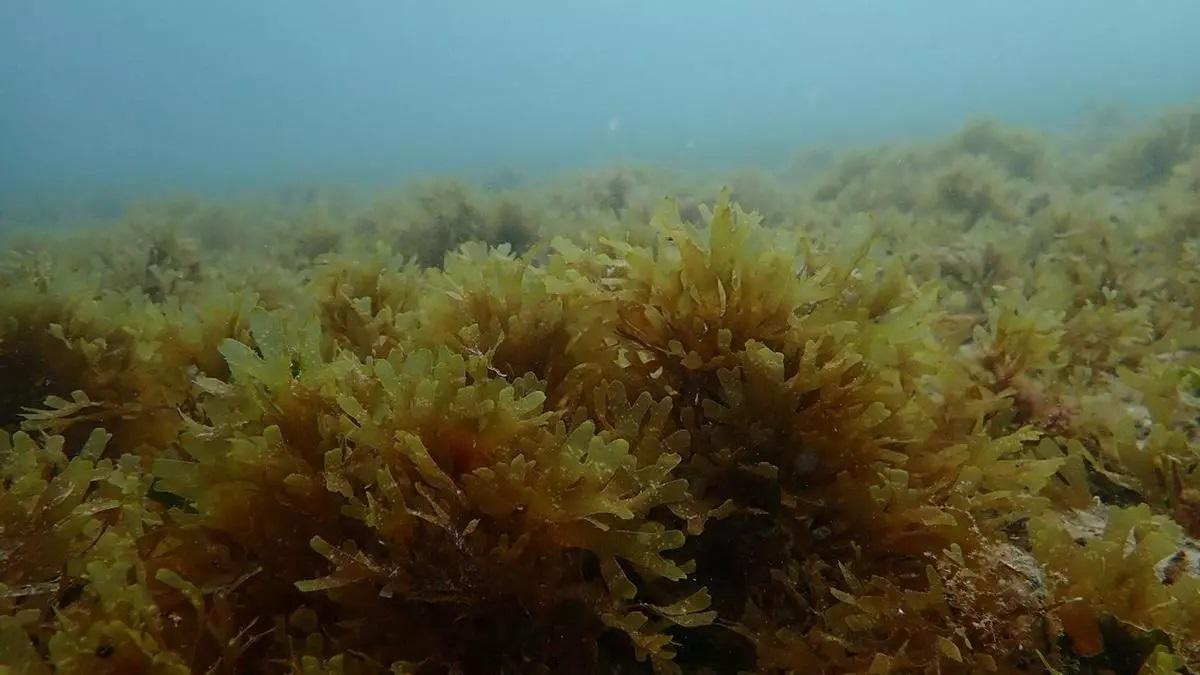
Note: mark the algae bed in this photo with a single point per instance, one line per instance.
(924, 408)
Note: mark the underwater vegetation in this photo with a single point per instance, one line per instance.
(933, 410)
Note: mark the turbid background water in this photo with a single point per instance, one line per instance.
(144, 95)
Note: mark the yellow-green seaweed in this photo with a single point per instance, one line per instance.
(933, 411)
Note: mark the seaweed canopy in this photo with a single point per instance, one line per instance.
(1148, 157)
(415, 491)
(956, 434)
(73, 592)
(85, 342)
(1145, 584)
(827, 437)
(434, 219)
(556, 326)
(1019, 153)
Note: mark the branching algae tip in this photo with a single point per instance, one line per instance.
(930, 410)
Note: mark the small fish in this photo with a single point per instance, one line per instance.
(614, 125)
(1174, 566)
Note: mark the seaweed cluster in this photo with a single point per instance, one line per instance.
(933, 411)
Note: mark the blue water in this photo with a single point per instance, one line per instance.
(145, 95)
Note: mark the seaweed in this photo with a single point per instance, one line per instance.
(934, 410)
(1148, 157)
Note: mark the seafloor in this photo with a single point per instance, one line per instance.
(917, 409)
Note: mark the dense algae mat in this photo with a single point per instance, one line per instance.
(931, 411)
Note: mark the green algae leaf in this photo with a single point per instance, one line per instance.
(94, 447)
(242, 359)
(187, 588)
(690, 612)
(949, 650)
(1162, 662)
(350, 568)
(18, 650)
(616, 579)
